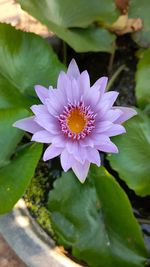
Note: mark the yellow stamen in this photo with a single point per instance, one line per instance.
(76, 121)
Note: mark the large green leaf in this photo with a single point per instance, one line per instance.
(132, 162)
(82, 40)
(79, 14)
(142, 78)
(9, 136)
(96, 220)
(26, 60)
(15, 177)
(140, 9)
(10, 95)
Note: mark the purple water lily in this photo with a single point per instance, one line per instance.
(76, 120)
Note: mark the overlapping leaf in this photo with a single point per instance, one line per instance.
(96, 220)
(9, 136)
(26, 60)
(142, 78)
(60, 17)
(15, 177)
(132, 162)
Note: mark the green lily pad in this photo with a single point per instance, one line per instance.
(60, 20)
(142, 78)
(132, 162)
(95, 220)
(16, 176)
(9, 136)
(140, 9)
(66, 14)
(26, 60)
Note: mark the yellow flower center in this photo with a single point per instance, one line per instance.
(76, 121)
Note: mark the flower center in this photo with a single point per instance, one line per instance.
(76, 121)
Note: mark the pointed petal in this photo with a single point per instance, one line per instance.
(41, 92)
(28, 124)
(116, 129)
(112, 115)
(40, 110)
(52, 152)
(103, 126)
(93, 156)
(127, 113)
(84, 82)
(51, 127)
(106, 102)
(62, 79)
(101, 84)
(66, 160)
(107, 146)
(73, 70)
(81, 170)
(42, 137)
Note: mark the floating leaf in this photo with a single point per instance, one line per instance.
(142, 78)
(16, 176)
(132, 162)
(96, 220)
(9, 136)
(26, 60)
(63, 14)
(53, 15)
(10, 95)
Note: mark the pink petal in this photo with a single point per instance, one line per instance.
(112, 115)
(81, 170)
(93, 156)
(101, 84)
(41, 92)
(92, 96)
(27, 124)
(52, 152)
(76, 150)
(48, 124)
(106, 102)
(42, 137)
(84, 82)
(103, 126)
(40, 110)
(108, 147)
(62, 80)
(116, 129)
(127, 113)
(73, 70)
(66, 160)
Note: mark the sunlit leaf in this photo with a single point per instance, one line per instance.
(26, 60)
(60, 17)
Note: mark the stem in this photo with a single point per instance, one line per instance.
(64, 53)
(143, 221)
(114, 77)
(111, 60)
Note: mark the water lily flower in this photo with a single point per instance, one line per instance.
(76, 120)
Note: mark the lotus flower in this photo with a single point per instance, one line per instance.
(77, 120)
